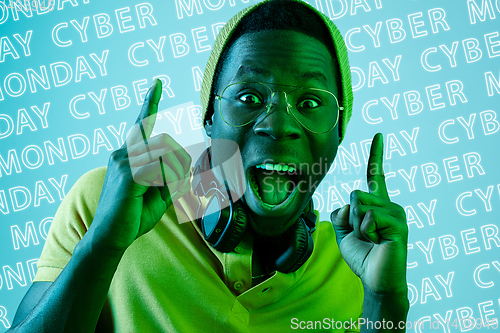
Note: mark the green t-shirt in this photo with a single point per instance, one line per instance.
(171, 280)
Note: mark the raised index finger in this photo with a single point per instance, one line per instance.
(375, 172)
(145, 122)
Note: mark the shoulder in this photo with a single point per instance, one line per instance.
(325, 239)
(326, 228)
(88, 187)
(82, 199)
(325, 233)
(90, 182)
(70, 223)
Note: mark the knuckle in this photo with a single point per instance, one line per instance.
(116, 156)
(354, 194)
(380, 176)
(165, 137)
(364, 228)
(402, 212)
(123, 163)
(333, 215)
(163, 150)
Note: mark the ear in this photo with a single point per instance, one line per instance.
(208, 126)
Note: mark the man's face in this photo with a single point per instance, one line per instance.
(276, 199)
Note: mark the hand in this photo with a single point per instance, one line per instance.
(372, 233)
(135, 194)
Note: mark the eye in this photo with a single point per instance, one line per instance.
(250, 99)
(308, 103)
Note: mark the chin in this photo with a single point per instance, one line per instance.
(269, 226)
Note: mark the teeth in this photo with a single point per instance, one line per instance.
(276, 167)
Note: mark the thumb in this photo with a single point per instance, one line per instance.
(340, 222)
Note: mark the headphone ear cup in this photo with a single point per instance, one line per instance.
(236, 229)
(223, 223)
(223, 228)
(298, 248)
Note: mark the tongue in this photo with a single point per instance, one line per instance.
(274, 187)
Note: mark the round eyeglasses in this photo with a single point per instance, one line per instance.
(241, 103)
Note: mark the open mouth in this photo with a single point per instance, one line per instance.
(273, 184)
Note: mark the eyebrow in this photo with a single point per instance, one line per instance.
(314, 75)
(306, 76)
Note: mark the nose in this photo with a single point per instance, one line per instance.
(276, 121)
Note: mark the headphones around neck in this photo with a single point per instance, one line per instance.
(224, 223)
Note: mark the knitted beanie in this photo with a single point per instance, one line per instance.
(340, 48)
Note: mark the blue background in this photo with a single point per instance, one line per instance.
(447, 220)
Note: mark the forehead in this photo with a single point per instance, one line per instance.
(281, 57)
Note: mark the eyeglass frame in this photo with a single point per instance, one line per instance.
(288, 105)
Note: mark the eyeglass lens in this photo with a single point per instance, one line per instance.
(315, 109)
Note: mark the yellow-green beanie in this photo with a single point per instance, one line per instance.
(338, 42)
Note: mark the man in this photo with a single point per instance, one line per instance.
(122, 263)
